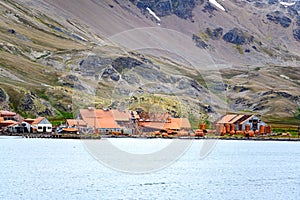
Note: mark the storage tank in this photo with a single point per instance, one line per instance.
(239, 132)
(232, 127)
(223, 132)
(227, 128)
(262, 129)
(202, 126)
(268, 129)
(247, 127)
(251, 133)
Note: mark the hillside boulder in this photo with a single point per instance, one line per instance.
(278, 18)
(237, 36)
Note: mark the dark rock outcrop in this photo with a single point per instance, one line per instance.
(285, 22)
(196, 86)
(108, 72)
(273, 1)
(296, 34)
(199, 42)
(33, 105)
(237, 36)
(28, 103)
(123, 63)
(115, 77)
(298, 20)
(240, 88)
(214, 34)
(209, 8)
(93, 65)
(181, 8)
(12, 31)
(278, 18)
(292, 12)
(2, 95)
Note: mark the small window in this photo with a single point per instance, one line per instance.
(39, 127)
(49, 127)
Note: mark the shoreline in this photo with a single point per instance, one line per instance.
(98, 137)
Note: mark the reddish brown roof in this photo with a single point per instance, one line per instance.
(182, 122)
(174, 124)
(171, 125)
(154, 125)
(98, 118)
(76, 122)
(226, 119)
(236, 118)
(38, 120)
(231, 119)
(250, 116)
(29, 120)
(6, 113)
(8, 122)
(121, 115)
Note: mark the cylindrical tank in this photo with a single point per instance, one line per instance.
(268, 129)
(239, 132)
(247, 127)
(251, 133)
(262, 129)
(232, 127)
(232, 132)
(223, 132)
(227, 128)
(202, 126)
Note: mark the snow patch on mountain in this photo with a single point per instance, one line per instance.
(287, 4)
(214, 2)
(153, 14)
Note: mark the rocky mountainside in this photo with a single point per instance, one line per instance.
(193, 58)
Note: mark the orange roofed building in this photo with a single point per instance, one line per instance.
(7, 118)
(41, 125)
(76, 123)
(106, 121)
(233, 123)
(170, 124)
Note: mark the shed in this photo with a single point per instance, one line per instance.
(42, 125)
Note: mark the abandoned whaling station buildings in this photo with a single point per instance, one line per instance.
(14, 123)
(116, 122)
(106, 121)
(248, 125)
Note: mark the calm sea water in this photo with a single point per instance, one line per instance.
(63, 169)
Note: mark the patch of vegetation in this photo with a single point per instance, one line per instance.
(204, 36)
(239, 48)
(292, 131)
(194, 121)
(42, 94)
(257, 69)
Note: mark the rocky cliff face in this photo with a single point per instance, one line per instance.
(181, 8)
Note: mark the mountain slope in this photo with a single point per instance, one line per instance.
(191, 59)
